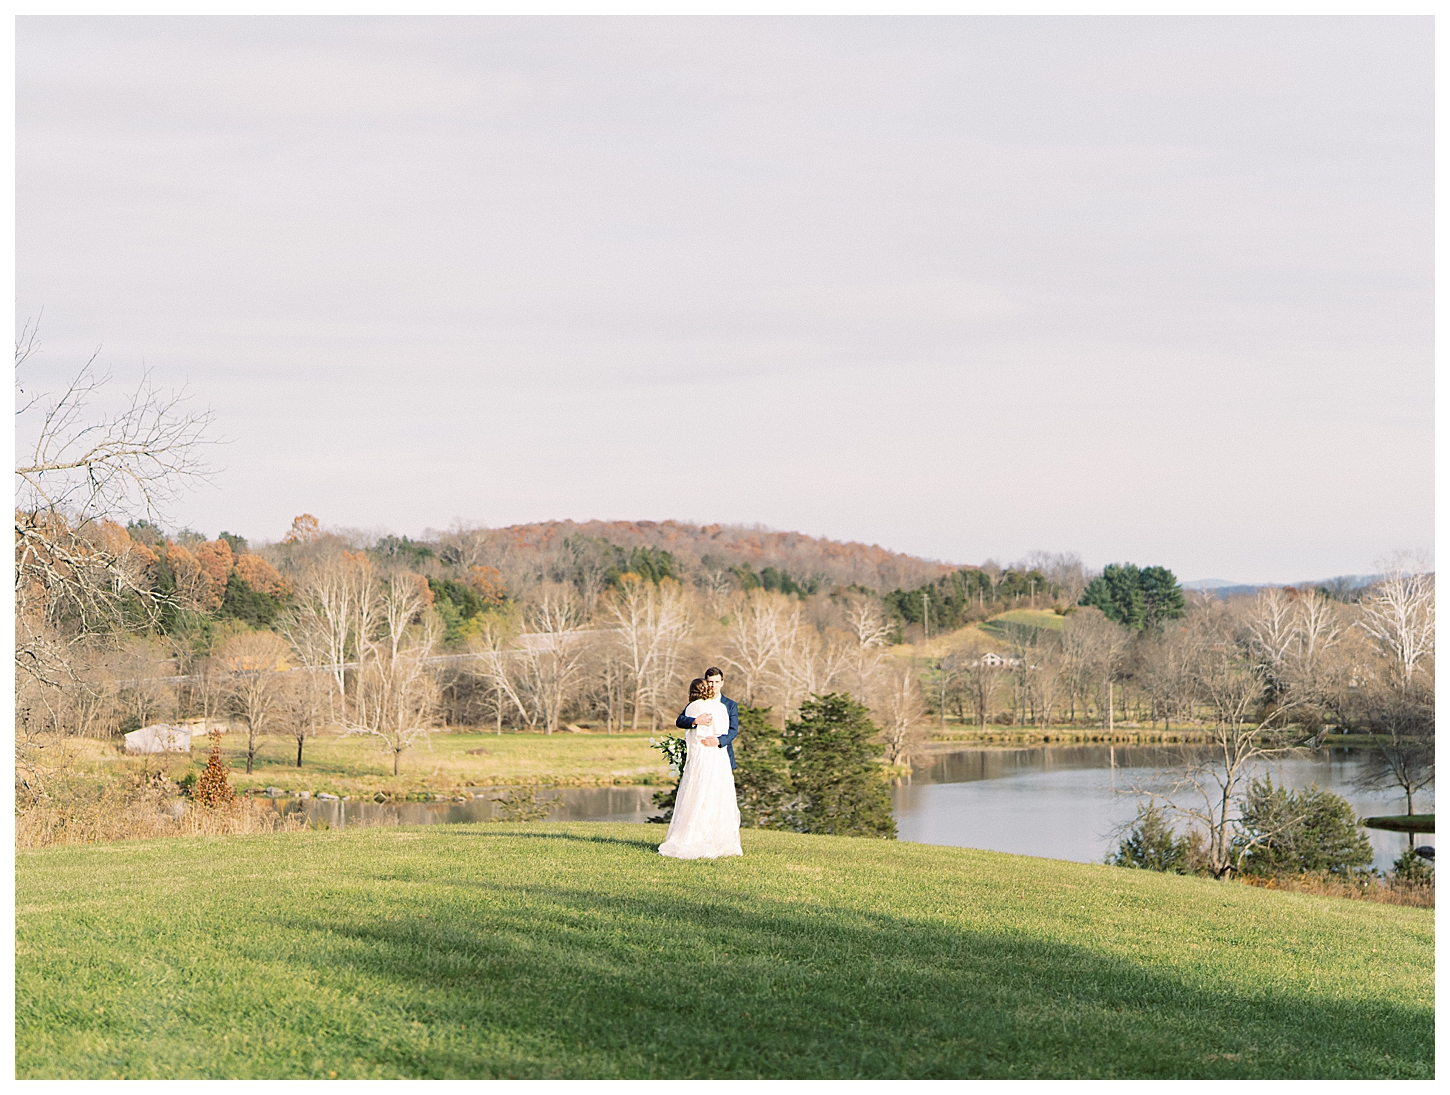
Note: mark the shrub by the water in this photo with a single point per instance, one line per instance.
(1413, 870)
(1291, 832)
(1151, 844)
(836, 781)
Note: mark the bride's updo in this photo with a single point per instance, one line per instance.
(700, 689)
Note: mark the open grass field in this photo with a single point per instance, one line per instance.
(1038, 617)
(577, 951)
(356, 766)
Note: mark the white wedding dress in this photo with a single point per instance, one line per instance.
(706, 821)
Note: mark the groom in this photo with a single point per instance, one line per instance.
(716, 678)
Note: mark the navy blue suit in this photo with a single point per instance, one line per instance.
(684, 722)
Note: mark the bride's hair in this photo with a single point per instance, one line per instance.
(700, 689)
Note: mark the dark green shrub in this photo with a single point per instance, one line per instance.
(762, 776)
(1290, 832)
(838, 785)
(1152, 845)
(1410, 868)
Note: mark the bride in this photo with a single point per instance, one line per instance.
(706, 821)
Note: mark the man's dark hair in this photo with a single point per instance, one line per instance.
(714, 672)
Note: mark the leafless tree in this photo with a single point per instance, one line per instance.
(898, 708)
(866, 622)
(1064, 570)
(761, 621)
(1092, 646)
(1402, 720)
(336, 605)
(396, 696)
(1399, 614)
(493, 648)
(72, 575)
(553, 653)
(983, 674)
(256, 685)
(308, 699)
(1232, 680)
(650, 624)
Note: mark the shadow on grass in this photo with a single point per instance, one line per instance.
(544, 980)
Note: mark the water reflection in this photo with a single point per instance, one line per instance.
(1067, 801)
(1056, 801)
(566, 804)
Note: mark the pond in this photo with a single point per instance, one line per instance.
(1067, 801)
(1055, 801)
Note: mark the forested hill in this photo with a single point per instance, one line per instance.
(710, 547)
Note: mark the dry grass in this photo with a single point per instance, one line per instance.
(1384, 891)
(43, 826)
(447, 763)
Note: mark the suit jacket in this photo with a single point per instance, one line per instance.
(727, 739)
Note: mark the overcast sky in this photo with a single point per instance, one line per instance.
(1148, 289)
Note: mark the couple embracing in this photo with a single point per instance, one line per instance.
(706, 821)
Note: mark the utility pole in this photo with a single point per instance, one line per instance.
(926, 614)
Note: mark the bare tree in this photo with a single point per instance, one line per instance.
(1399, 614)
(983, 677)
(73, 575)
(1092, 645)
(761, 622)
(492, 648)
(866, 622)
(553, 653)
(308, 699)
(650, 624)
(898, 708)
(335, 599)
(1232, 680)
(1403, 722)
(256, 684)
(396, 697)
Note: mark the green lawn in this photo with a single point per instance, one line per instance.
(577, 951)
(1038, 617)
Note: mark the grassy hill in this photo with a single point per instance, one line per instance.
(1038, 617)
(577, 951)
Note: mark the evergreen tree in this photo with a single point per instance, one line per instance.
(1134, 597)
(838, 786)
(1152, 845)
(762, 777)
(1286, 832)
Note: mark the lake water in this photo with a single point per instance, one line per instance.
(1055, 801)
(1066, 801)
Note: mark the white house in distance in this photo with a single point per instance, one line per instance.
(161, 738)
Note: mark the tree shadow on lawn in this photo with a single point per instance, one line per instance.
(552, 981)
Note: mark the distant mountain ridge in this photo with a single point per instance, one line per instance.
(1226, 588)
(704, 546)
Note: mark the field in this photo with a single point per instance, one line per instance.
(576, 951)
(357, 766)
(1032, 617)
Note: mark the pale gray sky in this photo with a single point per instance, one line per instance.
(1150, 289)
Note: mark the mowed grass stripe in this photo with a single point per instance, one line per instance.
(577, 951)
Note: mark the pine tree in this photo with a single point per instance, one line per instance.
(762, 779)
(838, 785)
